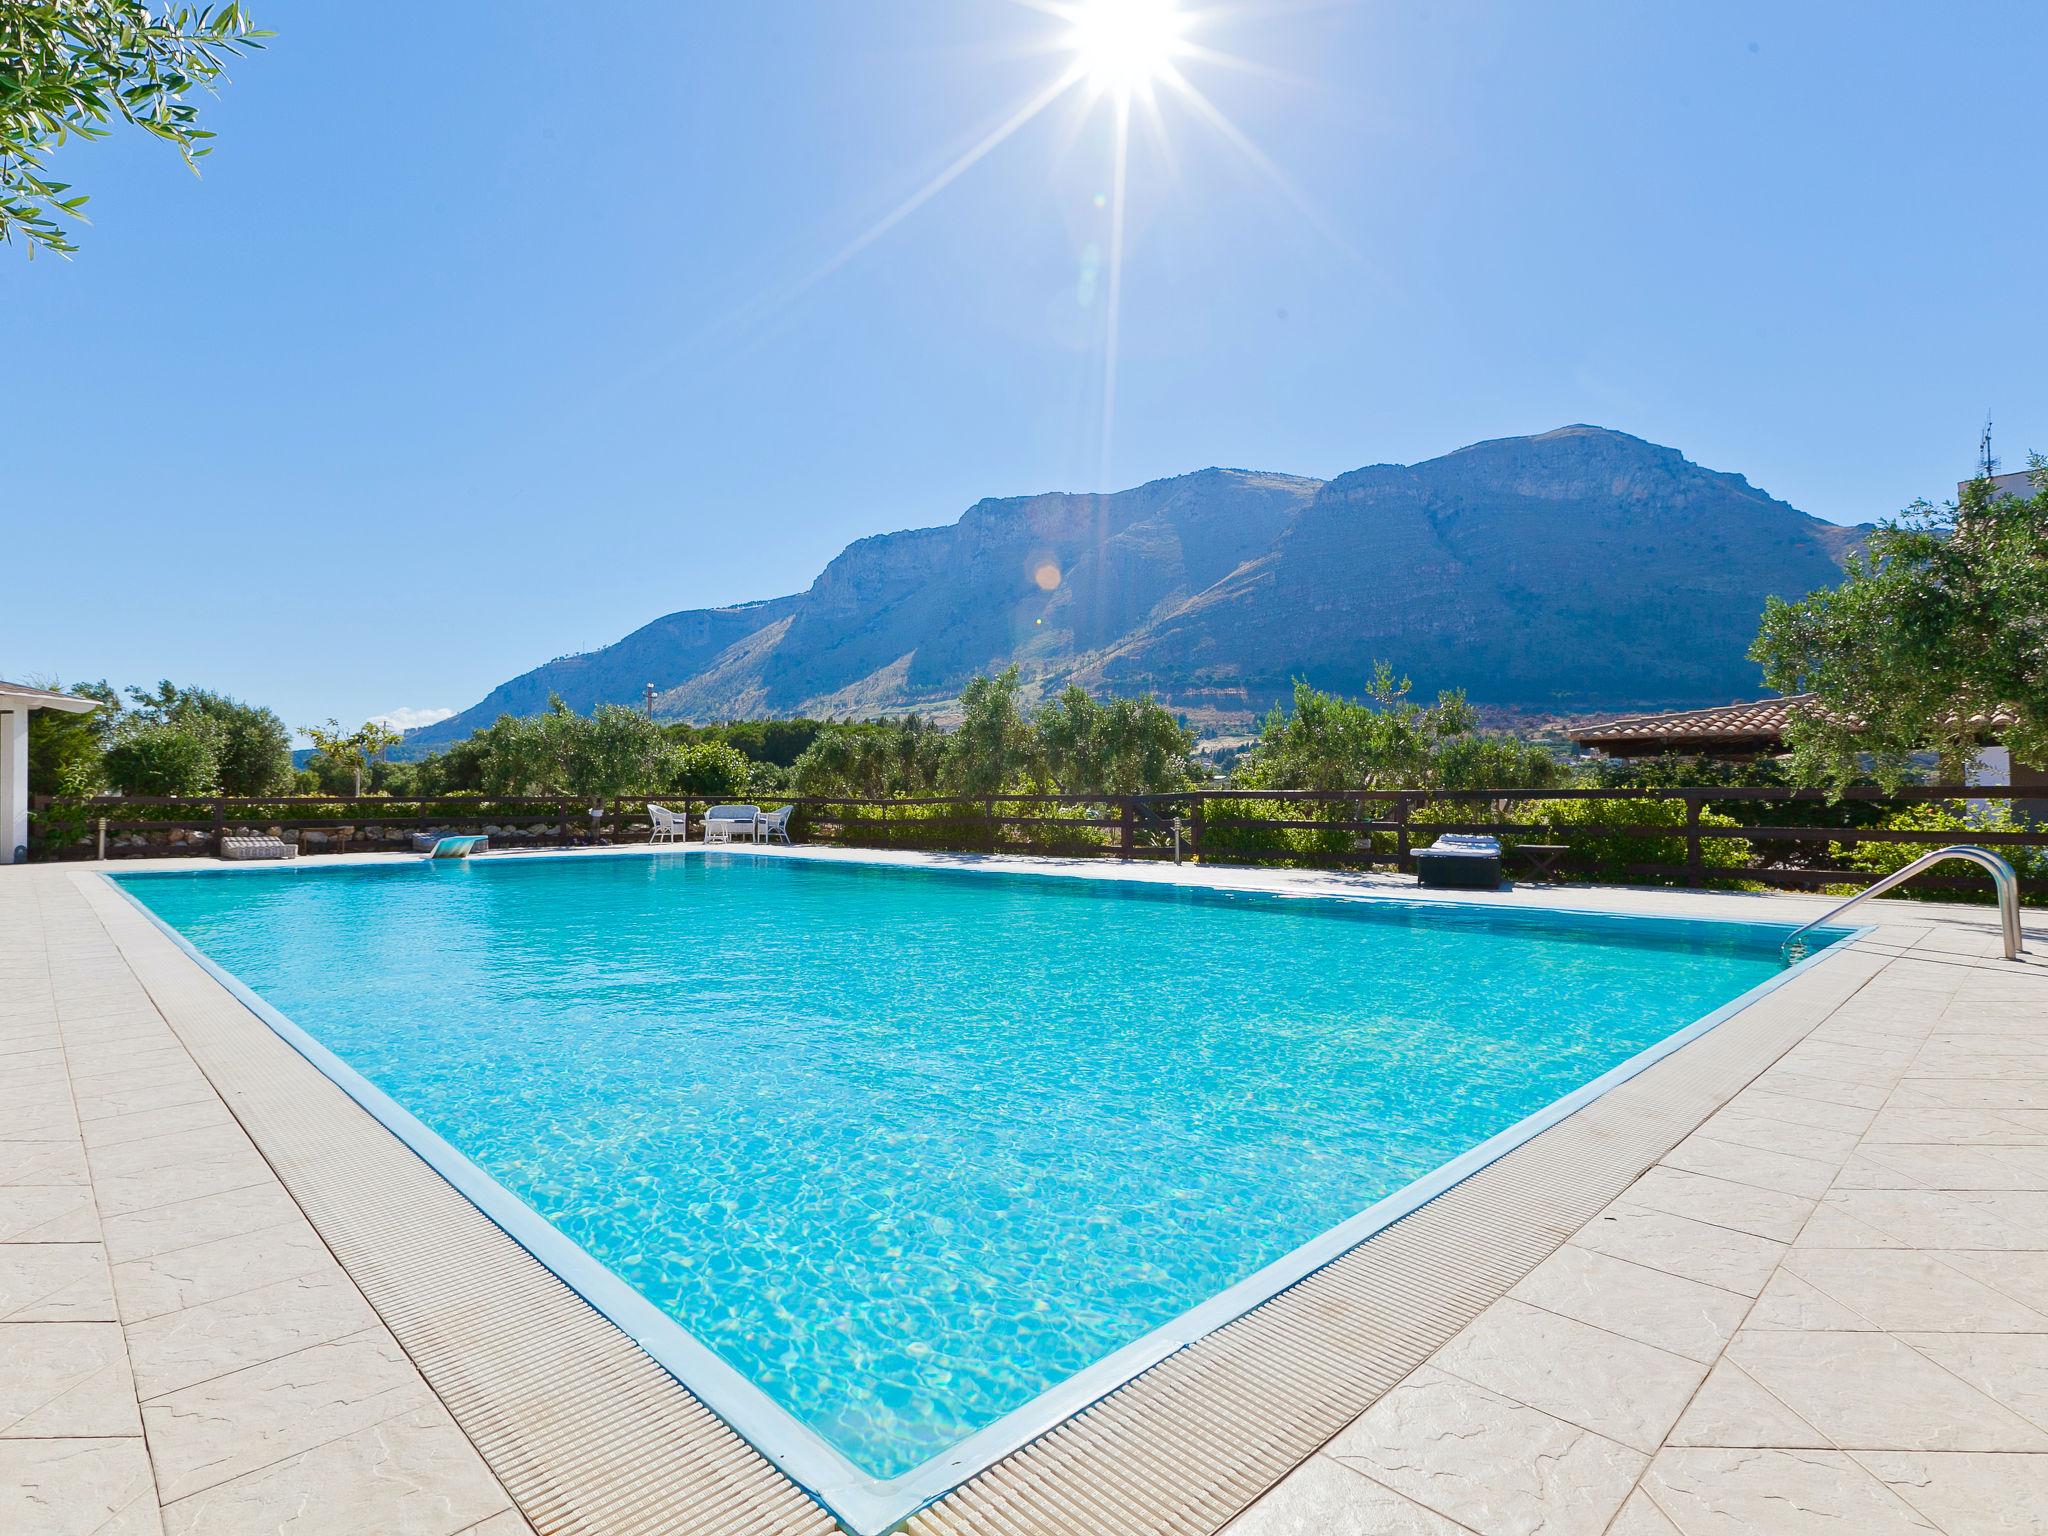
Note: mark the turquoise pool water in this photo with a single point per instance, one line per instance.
(909, 1147)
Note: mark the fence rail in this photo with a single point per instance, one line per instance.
(1710, 835)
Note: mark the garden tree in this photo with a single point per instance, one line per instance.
(65, 750)
(354, 751)
(1383, 741)
(613, 751)
(710, 768)
(991, 750)
(779, 742)
(873, 759)
(252, 750)
(1494, 760)
(456, 770)
(1122, 747)
(160, 757)
(1944, 617)
(70, 68)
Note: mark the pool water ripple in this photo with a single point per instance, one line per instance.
(908, 1147)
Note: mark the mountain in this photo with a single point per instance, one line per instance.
(1577, 569)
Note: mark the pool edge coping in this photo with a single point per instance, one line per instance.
(864, 1504)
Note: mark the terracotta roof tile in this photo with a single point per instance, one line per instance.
(1733, 722)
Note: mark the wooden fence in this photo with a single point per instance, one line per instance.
(1696, 836)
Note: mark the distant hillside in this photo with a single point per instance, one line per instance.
(1578, 569)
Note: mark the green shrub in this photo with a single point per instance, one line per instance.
(1585, 826)
(162, 758)
(1946, 816)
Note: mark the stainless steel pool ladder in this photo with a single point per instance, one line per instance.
(2001, 875)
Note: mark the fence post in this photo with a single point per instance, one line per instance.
(1401, 833)
(1195, 829)
(1128, 834)
(1695, 865)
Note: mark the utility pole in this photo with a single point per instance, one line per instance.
(650, 701)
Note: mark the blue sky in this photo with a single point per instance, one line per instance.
(491, 331)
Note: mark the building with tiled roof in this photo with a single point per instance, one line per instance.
(1755, 728)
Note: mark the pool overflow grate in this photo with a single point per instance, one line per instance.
(591, 1436)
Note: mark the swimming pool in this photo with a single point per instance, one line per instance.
(910, 1163)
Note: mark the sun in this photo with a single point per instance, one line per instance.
(1125, 45)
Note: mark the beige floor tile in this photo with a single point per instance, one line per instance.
(238, 1423)
(43, 1162)
(48, 1213)
(1486, 1462)
(1740, 1207)
(1731, 1410)
(1829, 1227)
(2009, 1368)
(181, 1176)
(1957, 1058)
(2003, 1092)
(191, 1277)
(147, 1124)
(76, 1488)
(1919, 1123)
(1968, 1494)
(92, 1060)
(65, 1380)
(1677, 1245)
(184, 1089)
(1648, 1305)
(1741, 1128)
(1869, 1391)
(1788, 1083)
(1788, 1303)
(167, 1071)
(1900, 1289)
(54, 1283)
(2019, 1274)
(187, 1223)
(1775, 1493)
(1740, 1164)
(1322, 1497)
(1932, 1218)
(1965, 1168)
(2020, 1044)
(414, 1475)
(1627, 1391)
(180, 1349)
(1640, 1517)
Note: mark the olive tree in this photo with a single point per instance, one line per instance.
(1939, 625)
(70, 69)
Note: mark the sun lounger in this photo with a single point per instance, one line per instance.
(1460, 861)
(257, 848)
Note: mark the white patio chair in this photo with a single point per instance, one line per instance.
(669, 826)
(773, 827)
(722, 823)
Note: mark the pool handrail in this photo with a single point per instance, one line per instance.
(2001, 874)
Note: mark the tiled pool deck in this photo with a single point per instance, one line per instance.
(1825, 1309)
